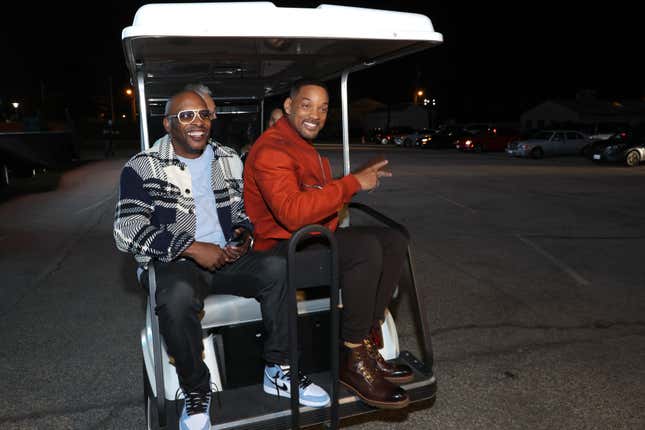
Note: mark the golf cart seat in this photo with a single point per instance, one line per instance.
(223, 310)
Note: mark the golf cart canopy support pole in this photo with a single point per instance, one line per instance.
(143, 111)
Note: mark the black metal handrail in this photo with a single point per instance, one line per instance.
(156, 342)
(297, 239)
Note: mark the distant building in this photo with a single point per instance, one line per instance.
(358, 110)
(584, 113)
(399, 115)
(367, 114)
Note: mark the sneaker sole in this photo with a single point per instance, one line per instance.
(273, 391)
(375, 403)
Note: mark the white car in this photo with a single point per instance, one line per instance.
(550, 142)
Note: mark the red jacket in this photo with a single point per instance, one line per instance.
(287, 185)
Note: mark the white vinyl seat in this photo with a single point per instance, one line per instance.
(224, 309)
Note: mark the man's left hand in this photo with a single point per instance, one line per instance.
(233, 253)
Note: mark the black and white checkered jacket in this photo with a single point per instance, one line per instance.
(155, 214)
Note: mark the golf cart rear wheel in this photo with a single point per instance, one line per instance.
(632, 159)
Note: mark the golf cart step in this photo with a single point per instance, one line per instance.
(250, 408)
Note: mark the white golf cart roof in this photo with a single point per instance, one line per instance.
(247, 51)
(251, 50)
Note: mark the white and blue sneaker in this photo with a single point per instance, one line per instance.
(195, 415)
(277, 382)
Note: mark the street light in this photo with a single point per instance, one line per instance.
(130, 93)
(417, 96)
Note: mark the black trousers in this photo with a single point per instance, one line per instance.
(370, 260)
(181, 288)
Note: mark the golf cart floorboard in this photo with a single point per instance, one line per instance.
(250, 408)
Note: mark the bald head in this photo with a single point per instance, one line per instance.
(190, 135)
(276, 114)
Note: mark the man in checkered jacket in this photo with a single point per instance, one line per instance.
(180, 204)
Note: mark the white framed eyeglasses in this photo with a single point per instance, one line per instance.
(188, 116)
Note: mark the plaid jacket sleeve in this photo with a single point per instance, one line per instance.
(134, 231)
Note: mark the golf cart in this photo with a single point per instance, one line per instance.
(247, 52)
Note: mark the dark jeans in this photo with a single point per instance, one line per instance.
(370, 261)
(181, 289)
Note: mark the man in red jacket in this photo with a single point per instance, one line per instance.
(287, 185)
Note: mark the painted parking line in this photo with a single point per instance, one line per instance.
(455, 202)
(561, 265)
(97, 204)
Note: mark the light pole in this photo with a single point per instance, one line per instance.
(15, 106)
(130, 93)
(431, 105)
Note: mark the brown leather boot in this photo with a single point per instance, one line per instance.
(393, 372)
(360, 374)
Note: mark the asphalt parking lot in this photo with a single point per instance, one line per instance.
(533, 271)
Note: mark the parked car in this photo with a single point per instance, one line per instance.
(396, 135)
(626, 147)
(445, 137)
(424, 136)
(492, 139)
(605, 130)
(411, 139)
(550, 142)
(373, 135)
(477, 127)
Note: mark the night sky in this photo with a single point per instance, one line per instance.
(498, 58)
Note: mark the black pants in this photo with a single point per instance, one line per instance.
(370, 261)
(181, 289)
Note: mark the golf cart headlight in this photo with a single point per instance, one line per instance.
(468, 142)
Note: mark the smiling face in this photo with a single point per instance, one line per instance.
(188, 140)
(307, 111)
